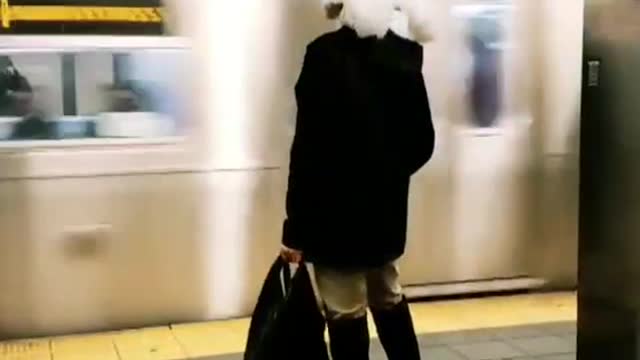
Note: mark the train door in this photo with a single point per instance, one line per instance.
(470, 218)
(492, 121)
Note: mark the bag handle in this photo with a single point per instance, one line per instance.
(286, 276)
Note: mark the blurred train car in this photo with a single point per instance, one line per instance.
(155, 191)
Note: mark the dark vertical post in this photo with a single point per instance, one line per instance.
(609, 255)
(69, 96)
(120, 68)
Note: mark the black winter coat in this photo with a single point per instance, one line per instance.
(363, 128)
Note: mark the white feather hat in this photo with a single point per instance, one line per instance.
(374, 17)
(418, 13)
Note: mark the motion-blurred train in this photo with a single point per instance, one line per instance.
(152, 191)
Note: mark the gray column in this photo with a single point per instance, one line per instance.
(609, 261)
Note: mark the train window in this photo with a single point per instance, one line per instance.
(484, 42)
(95, 94)
(484, 35)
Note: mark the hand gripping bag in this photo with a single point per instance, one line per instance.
(287, 323)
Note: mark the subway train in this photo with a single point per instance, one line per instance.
(156, 193)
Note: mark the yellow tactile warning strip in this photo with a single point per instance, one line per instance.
(216, 338)
(26, 350)
(226, 337)
(148, 344)
(99, 346)
(494, 312)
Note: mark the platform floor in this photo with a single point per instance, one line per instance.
(522, 327)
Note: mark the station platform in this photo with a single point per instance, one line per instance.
(522, 327)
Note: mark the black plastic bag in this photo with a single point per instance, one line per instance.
(287, 323)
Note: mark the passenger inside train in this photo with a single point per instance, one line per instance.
(18, 101)
(14, 86)
(485, 38)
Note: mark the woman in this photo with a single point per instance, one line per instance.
(363, 129)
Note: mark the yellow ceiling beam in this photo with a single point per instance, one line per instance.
(58, 13)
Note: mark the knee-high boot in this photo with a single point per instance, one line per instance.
(396, 332)
(349, 339)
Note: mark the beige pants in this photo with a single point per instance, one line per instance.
(348, 294)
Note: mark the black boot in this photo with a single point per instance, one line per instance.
(349, 339)
(396, 332)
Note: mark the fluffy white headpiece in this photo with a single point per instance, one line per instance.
(366, 17)
(418, 13)
(375, 17)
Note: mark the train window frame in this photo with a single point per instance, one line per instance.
(97, 156)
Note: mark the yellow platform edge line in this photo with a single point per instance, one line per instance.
(58, 13)
(228, 336)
